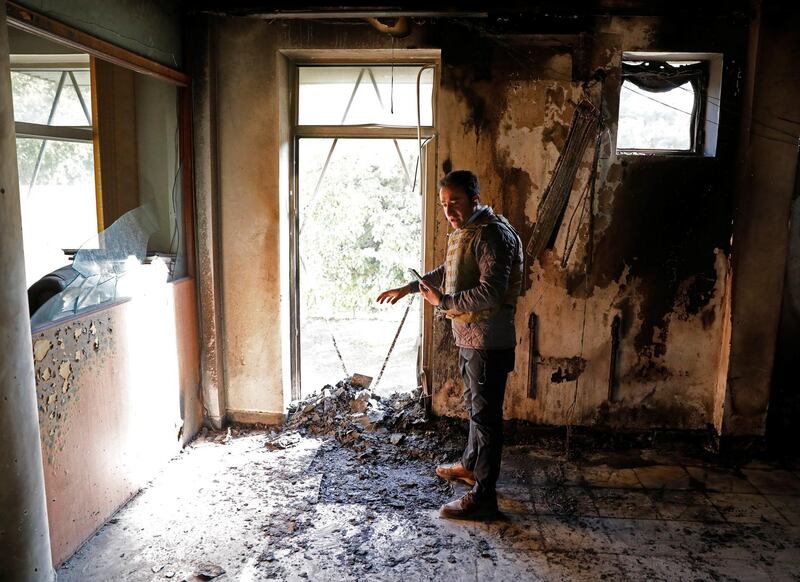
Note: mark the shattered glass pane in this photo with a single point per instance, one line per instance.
(109, 267)
(386, 95)
(360, 230)
(112, 249)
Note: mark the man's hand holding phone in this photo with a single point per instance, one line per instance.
(431, 294)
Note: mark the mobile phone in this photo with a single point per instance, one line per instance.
(414, 274)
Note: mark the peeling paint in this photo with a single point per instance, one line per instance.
(40, 349)
(64, 370)
(567, 369)
(68, 350)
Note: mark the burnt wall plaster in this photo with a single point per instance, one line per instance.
(662, 226)
(662, 230)
(207, 221)
(60, 359)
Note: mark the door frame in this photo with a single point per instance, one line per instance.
(380, 57)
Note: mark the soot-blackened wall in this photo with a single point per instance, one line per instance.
(638, 338)
(662, 229)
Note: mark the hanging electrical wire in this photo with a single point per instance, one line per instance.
(420, 145)
(556, 195)
(394, 341)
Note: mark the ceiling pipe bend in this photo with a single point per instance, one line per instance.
(399, 29)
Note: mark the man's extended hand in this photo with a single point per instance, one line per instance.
(394, 295)
(431, 294)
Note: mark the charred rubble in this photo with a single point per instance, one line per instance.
(371, 425)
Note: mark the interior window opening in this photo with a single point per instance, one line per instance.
(664, 105)
(664, 122)
(56, 169)
(100, 178)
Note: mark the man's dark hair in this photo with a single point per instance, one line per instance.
(464, 179)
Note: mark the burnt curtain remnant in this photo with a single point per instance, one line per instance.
(663, 77)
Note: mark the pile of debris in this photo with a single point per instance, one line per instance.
(364, 421)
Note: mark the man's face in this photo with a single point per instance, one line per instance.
(457, 206)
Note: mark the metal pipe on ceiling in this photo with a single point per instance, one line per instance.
(400, 28)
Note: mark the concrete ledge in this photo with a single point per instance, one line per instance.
(255, 417)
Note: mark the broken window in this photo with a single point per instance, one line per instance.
(97, 150)
(360, 229)
(668, 105)
(112, 265)
(359, 222)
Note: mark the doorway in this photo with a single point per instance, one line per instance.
(359, 223)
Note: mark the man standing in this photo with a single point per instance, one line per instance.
(477, 288)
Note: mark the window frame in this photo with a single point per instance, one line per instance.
(298, 59)
(73, 133)
(705, 111)
(56, 63)
(37, 24)
(87, 134)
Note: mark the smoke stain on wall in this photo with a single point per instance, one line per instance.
(669, 218)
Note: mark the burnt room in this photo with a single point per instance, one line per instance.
(399, 292)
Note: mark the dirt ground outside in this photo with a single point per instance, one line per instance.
(363, 343)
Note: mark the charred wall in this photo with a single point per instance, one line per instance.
(633, 338)
(782, 85)
(661, 228)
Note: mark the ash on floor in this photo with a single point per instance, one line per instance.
(348, 492)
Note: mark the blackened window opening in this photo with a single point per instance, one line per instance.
(655, 77)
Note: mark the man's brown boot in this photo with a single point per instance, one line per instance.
(471, 506)
(456, 472)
